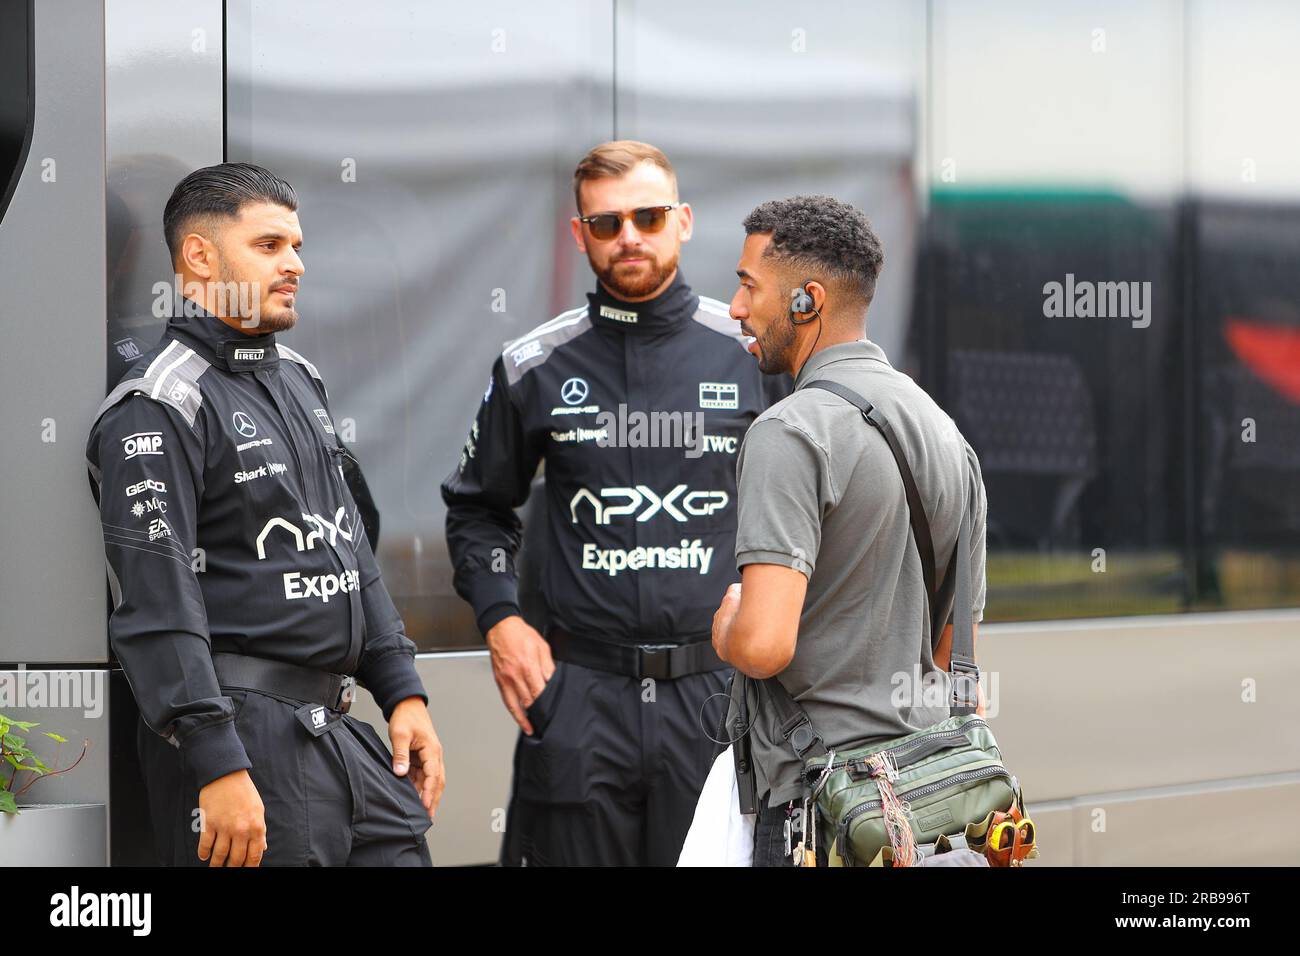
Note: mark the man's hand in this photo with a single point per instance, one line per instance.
(233, 820)
(521, 664)
(412, 735)
(723, 618)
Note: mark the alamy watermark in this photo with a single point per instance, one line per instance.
(180, 298)
(1103, 300)
(75, 690)
(638, 429)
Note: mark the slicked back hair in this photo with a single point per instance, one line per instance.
(221, 191)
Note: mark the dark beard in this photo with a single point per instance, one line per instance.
(632, 288)
(279, 321)
(776, 347)
(270, 320)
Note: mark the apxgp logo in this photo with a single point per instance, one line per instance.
(697, 503)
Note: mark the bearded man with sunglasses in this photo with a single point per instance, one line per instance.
(637, 401)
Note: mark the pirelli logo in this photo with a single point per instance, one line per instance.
(618, 315)
(719, 395)
(249, 355)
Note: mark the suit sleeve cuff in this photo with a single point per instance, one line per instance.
(391, 680)
(496, 614)
(214, 751)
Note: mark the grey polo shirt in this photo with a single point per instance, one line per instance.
(819, 491)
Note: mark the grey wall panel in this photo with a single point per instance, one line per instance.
(52, 377)
(164, 103)
(163, 93)
(1151, 827)
(1122, 704)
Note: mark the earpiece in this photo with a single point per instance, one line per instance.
(801, 302)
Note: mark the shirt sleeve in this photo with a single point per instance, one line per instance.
(492, 479)
(387, 666)
(146, 467)
(783, 489)
(978, 516)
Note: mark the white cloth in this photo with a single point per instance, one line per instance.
(720, 834)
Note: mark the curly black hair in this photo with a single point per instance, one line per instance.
(221, 191)
(822, 235)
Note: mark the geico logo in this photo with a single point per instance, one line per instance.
(147, 485)
(690, 555)
(698, 503)
(324, 586)
(722, 443)
(142, 443)
(318, 526)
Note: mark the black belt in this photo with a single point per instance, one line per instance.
(658, 661)
(311, 686)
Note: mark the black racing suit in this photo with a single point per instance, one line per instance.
(228, 527)
(639, 549)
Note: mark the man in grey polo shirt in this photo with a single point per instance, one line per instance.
(832, 599)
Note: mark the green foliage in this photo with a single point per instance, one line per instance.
(20, 758)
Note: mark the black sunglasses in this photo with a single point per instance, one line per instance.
(648, 219)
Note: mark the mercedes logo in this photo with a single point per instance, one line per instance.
(574, 391)
(244, 425)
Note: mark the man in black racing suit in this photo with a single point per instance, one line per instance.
(247, 599)
(637, 401)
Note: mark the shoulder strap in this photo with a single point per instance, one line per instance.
(915, 507)
(955, 591)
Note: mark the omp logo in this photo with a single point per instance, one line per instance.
(527, 351)
(127, 349)
(719, 395)
(318, 529)
(147, 485)
(618, 315)
(324, 586)
(178, 391)
(142, 443)
(324, 419)
(249, 355)
(697, 503)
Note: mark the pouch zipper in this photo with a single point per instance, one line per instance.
(915, 744)
(925, 791)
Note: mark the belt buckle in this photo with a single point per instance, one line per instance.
(655, 661)
(965, 682)
(347, 693)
